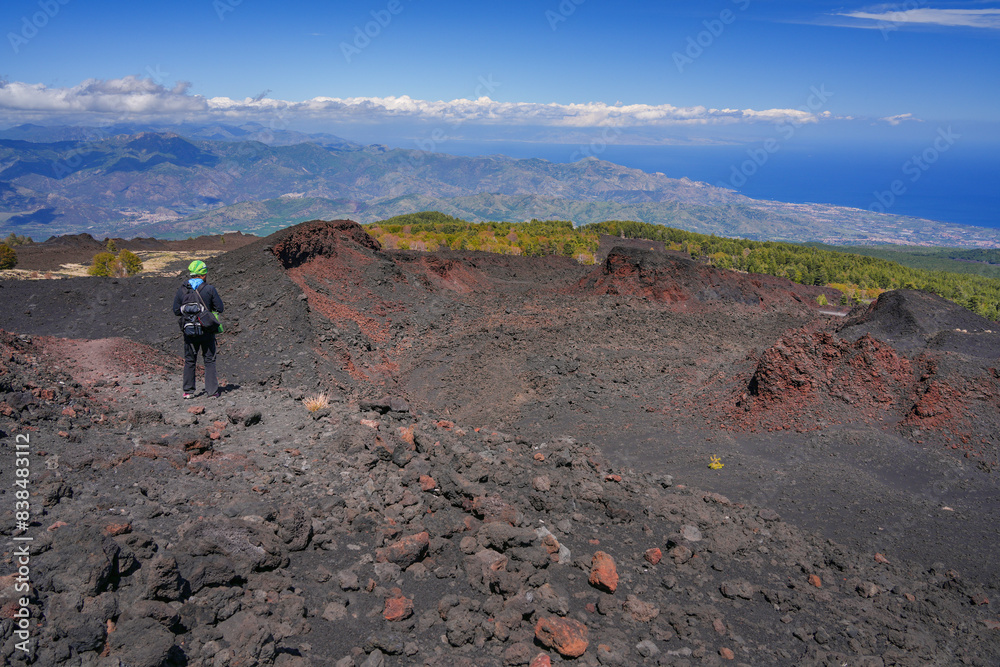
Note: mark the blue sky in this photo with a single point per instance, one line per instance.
(554, 70)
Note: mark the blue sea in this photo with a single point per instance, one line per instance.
(959, 184)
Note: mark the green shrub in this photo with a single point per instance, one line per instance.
(111, 246)
(8, 258)
(127, 263)
(821, 300)
(130, 261)
(102, 264)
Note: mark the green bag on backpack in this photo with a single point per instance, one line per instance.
(219, 320)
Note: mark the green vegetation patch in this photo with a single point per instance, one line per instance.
(431, 230)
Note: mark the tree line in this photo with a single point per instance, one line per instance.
(859, 278)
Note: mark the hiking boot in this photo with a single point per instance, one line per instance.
(218, 392)
(187, 395)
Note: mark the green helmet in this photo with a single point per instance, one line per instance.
(197, 268)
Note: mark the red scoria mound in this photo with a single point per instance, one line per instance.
(867, 373)
(336, 265)
(812, 375)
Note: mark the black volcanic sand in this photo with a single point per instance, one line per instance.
(476, 400)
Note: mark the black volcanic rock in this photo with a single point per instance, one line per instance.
(912, 319)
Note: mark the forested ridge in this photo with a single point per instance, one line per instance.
(859, 277)
(981, 261)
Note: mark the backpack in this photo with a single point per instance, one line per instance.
(196, 319)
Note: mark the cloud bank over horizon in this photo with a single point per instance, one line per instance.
(988, 19)
(134, 98)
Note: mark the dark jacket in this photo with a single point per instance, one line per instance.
(208, 294)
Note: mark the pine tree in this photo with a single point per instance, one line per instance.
(8, 258)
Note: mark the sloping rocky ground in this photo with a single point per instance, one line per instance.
(250, 531)
(450, 505)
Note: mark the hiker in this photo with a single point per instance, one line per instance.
(194, 304)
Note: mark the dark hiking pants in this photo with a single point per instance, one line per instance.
(205, 345)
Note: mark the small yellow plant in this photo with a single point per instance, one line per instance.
(314, 403)
(716, 463)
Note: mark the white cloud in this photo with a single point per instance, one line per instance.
(968, 18)
(135, 98)
(899, 118)
(128, 95)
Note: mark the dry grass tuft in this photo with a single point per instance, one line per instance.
(314, 403)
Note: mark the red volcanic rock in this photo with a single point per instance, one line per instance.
(815, 581)
(406, 434)
(427, 483)
(603, 573)
(455, 275)
(404, 552)
(541, 660)
(867, 371)
(551, 546)
(10, 609)
(653, 555)
(812, 375)
(113, 529)
(398, 607)
(564, 635)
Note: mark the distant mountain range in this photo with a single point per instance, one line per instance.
(140, 181)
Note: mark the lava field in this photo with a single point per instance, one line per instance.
(511, 466)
